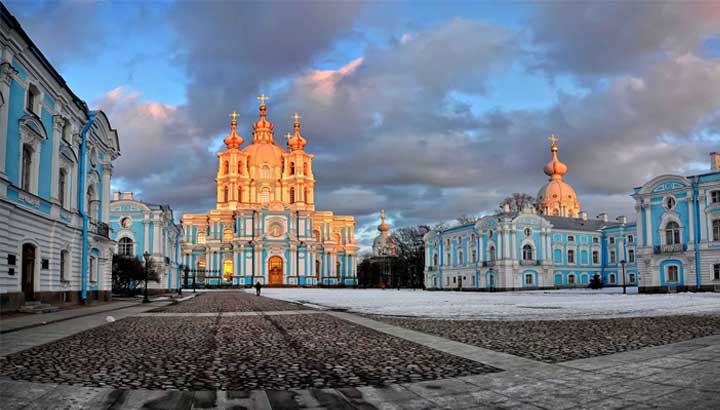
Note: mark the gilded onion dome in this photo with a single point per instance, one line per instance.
(263, 151)
(557, 197)
(296, 142)
(233, 140)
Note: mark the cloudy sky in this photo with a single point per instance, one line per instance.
(429, 110)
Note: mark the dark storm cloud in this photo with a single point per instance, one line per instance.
(596, 38)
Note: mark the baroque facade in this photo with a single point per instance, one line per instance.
(55, 167)
(679, 231)
(264, 227)
(552, 244)
(139, 227)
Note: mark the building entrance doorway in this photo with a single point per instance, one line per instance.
(28, 271)
(275, 269)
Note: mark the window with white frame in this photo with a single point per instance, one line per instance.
(571, 238)
(631, 256)
(93, 269)
(528, 279)
(474, 255)
(126, 247)
(595, 239)
(670, 203)
(612, 257)
(491, 253)
(201, 238)
(26, 167)
(32, 99)
(716, 230)
(527, 252)
(435, 260)
(62, 186)
(460, 258)
(527, 231)
(571, 279)
(611, 278)
(672, 233)
(611, 240)
(716, 271)
(447, 260)
(595, 257)
(64, 265)
(715, 197)
(631, 239)
(673, 274)
(571, 256)
(631, 278)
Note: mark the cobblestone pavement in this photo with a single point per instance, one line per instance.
(234, 353)
(231, 301)
(562, 340)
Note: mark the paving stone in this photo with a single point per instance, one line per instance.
(237, 301)
(554, 341)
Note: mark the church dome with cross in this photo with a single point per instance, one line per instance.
(557, 197)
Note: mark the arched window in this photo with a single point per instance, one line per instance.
(571, 256)
(672, 233)
(239, 194)
(226, 193)
(435, 259)
(228, 235)
(240, 167)
(491, 252)
(32, 96)
(716, 230)
(337, 268)
(571, 279)
(26, 171)
(292, 168)
(92, 202)
(265, 172)
(265, 196)
(227, 168)
(460, 258)
(62, 181)
(292, 195)
(490, 234)
(555, 212)
(201, 238)
(527, 252)
(125, 247)
(64, 265)
(317, 267)
(306, 196)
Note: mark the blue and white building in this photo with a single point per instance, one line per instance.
(549, 244)
(55, 168)
(139, 227)
(679, 231)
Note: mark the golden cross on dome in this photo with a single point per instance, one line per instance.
(296, 117)
(288, 136)
(382, 214)
(234, 115)
(262, 99)
(553, 139)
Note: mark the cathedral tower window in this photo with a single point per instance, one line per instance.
(435, 260)
(201, 238)
(240, 168)
(226, 168)
(239, 194)
(292, 168)
(265, 172)
(305, 170)
(491, 252)
(227, 235)
(306, 195)
(292, 195)
(460, 258)
(265, 196)
(226, 193)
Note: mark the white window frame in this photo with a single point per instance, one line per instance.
(530, 277)
(668, 278)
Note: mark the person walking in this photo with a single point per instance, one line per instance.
(258, 287)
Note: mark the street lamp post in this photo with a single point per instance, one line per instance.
(622, 264)
(146, 255)
(194, 279)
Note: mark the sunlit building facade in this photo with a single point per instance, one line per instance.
(55, 169)
(264, 227)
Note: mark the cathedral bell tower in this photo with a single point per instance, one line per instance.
(298, 179)
(232, 172)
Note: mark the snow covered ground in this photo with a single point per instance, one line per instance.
(528, 305)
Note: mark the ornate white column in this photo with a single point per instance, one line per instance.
(648, 223)
(58, 123)
(7, 72)
(105, 195)
(146, 237)
(691, 221)
(703, 218)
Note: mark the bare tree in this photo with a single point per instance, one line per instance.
(465, 219)
(517, 201)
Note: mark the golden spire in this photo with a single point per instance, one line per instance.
(296, 117)
(233, 140)
(383, 227)
(234, 116)
(553, 139)
(382, 215)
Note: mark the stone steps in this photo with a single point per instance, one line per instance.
(37, 307)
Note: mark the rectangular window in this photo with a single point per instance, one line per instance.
(715, 197)
(672, 274)
(596, 239)
(612, 257)
(63, 267)
(571, 256)
(528, 279)
(631, 238)
(716, 230)
(474, 255)
(30, 101)
(612, 278)
(632, 278)
(571, 238)
(596, 257)
(91, 268)
(631, 256)
(716, 271)
(611, 240)
(44, 264)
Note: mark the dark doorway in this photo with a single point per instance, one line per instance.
(28, 271)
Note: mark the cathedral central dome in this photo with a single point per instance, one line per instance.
(557, 197)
